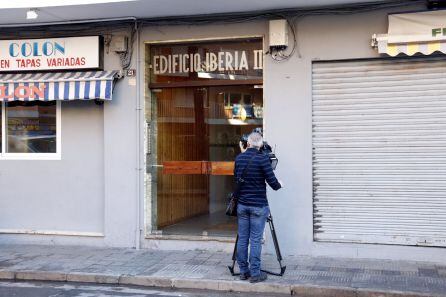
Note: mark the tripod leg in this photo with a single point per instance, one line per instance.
(234, 254)
(276, 242)
(276, 247)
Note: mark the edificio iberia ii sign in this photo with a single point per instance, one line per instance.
(235, 60)
(50, 54)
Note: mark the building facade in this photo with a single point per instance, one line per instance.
(358, 133)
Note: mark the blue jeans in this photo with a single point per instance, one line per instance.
(251, 223)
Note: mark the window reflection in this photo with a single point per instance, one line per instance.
(200, 124)
(31, 127)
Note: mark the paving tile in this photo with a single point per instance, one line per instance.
(204, 265)
(186, 271)
(354, 270)
(320, 268)
(390, 272)
(442, 272)
(432, 272)
(195, 262)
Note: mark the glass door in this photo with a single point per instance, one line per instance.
(198, 130)
(204, 97)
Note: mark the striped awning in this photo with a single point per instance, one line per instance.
(50, 86)
(413, 33)
(409, 48)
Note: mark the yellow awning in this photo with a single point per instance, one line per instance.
(413, 33)
(409, 48)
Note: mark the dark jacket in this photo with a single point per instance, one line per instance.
(253, 191)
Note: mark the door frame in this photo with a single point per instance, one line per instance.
(148, 207)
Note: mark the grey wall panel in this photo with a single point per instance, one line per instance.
(379, 151)
(59, 195)
(92, 191)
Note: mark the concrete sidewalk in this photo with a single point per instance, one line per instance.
(206, 270)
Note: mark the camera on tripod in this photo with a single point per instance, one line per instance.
(265, 149)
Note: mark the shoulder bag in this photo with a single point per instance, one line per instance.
(231, 209)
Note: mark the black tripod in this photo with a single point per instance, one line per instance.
(276, 247)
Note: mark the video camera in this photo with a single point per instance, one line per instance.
(265, 149)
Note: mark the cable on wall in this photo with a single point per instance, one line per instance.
(112, 26)
(279, 55)
(126, 57)
(98, 25)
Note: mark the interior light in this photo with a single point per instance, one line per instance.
(31, 14)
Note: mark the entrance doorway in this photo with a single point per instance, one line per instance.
(196, 125)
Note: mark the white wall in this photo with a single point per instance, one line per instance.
(288, 95)
(121, 169)
(92, 190)
(288, 123)
(96, 185)
(59, 195)
(319, 38)
(178, 33)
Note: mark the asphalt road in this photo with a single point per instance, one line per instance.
(57, 289)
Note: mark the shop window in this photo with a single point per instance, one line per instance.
(30, 130)
(199, 124)
(205, 96)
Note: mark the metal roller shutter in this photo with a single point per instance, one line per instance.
(379, 151)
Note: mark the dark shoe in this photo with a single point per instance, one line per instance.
(260, 278)
(244, 276)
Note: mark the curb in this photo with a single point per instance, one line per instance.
(205, 284)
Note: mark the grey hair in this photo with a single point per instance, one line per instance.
(255, 140)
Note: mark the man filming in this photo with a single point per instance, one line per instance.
(252, 209)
